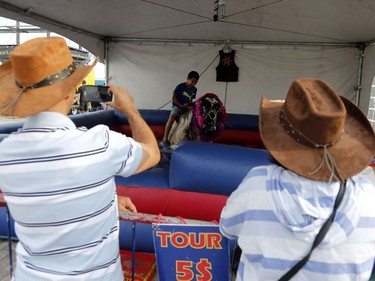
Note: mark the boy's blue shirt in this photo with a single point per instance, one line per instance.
(184, 94)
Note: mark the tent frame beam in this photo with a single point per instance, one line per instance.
(108, 40)
(236, 42)
(358, 87)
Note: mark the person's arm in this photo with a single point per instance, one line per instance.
(123, 102)
(176, 101)
(192, 102)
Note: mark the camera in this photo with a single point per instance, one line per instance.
(97, 94)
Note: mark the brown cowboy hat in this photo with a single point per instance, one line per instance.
(316, 133)
(39, 74)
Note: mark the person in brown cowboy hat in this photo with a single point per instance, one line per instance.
(57, 179)
(310, 214)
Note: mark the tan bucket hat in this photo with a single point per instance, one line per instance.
(316, 133)
(38, 75)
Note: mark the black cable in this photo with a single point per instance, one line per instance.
(254, 8)
(161, 28)
(164, 105)
(283, 30)
(200, 75)
(225, 95)
(179, 10)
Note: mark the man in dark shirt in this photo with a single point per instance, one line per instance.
(82, 103)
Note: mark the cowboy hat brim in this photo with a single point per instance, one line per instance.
(352, 153)
(36, 100)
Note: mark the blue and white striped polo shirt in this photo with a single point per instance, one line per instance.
(276, 214)
(58, 181)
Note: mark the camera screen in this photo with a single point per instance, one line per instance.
(96, 94)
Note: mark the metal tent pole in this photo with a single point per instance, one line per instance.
(358, 87)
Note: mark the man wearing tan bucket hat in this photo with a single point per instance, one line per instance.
(57, 179)
(309, 215)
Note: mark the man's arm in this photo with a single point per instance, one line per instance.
(142, 133)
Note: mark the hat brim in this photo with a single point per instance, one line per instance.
(352, 153)
(36, 100)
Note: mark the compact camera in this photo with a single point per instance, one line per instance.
(97, 94)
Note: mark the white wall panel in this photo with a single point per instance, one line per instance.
(152, 70)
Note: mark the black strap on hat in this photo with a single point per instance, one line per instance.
(49, 80)
(304, 140)
(319, 237)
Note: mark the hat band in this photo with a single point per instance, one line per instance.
(51, 79)
(327, 159)
(298, 136)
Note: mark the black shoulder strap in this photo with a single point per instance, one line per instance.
(319, 237)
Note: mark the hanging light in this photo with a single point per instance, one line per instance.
(219, 9)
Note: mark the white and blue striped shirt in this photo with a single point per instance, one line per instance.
(58, 182)
(276, 214)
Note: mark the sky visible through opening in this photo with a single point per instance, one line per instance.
(10, 38)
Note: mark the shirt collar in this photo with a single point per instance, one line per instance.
(49, 119)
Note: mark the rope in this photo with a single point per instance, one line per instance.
(299, 137)
(14, 101)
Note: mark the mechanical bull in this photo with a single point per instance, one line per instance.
(204, 122)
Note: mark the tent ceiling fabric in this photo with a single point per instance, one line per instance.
(286, 21)
(311, 23)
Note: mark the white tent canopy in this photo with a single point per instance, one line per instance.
(150, 46)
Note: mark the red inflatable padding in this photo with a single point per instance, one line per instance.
(229, 136)
(2, 201)
(175, 203)
(158, 130)
(240, 137)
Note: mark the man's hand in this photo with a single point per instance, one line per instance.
(123, 100)
(126, 204)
